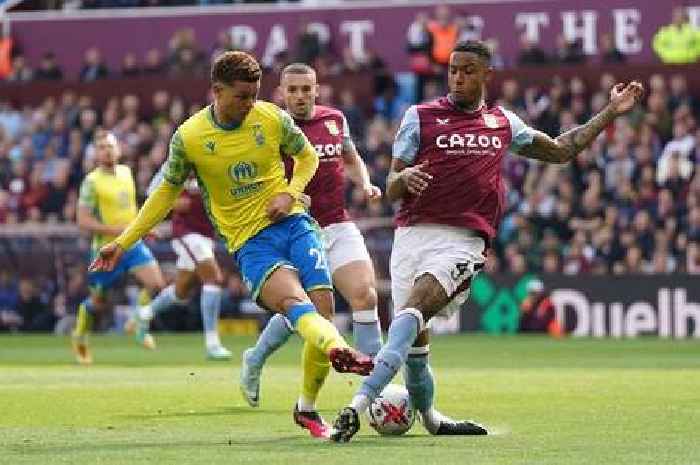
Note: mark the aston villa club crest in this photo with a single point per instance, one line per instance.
(332, 127)
(490, 121)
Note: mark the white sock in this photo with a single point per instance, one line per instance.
(211, 339)
(360, 403)
(306, 405)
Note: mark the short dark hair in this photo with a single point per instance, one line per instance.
(297, 68)
(235, 66)
(476, 47)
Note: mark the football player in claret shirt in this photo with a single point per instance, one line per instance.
(349, 262)
(234, 147)
(193, 241)
(446, 172)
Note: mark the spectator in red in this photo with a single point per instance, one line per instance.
(537, 313)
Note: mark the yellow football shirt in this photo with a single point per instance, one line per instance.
(111, 197)
(239, 169)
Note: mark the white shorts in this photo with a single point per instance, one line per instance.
(192, 249)
(344, 244)
(451, 254)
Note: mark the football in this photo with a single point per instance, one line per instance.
(391, 413)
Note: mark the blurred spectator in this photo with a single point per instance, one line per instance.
(48, 68)
(569, 52)
(153, 63)
(130, 67)
(679, 42)
(223, 43)
(679, 95)
(353, 114)
(537, 312)
(94, 67)
(35, 314)
(309, 45)
(20, 72)
(497, 60)
(185, 59)
(443, 35)
(530, 54)
(609, 52)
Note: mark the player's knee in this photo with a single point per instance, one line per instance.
(286, 303)
(364, 298)
(324, 302)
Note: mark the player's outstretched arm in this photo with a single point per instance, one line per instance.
(568, 145)
(153, 211)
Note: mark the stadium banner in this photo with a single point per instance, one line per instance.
(666, 306)
(361, 26)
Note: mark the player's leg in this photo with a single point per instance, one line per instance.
(442, 262)
(210, 304)
(88, 308)
(145, 269)
(353, 276)
(307, 254)
(283, 293)
(356, 283)
(94, 304)
(427, 298)
(272, 337)
(420, 384)
(315, 369)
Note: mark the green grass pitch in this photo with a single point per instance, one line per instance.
(549, 402)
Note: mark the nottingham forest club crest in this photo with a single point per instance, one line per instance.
(258, 135)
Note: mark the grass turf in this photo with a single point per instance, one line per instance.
(549, 402)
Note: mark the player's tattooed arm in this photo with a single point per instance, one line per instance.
(568, 145)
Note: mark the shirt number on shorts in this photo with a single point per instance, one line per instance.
(319, 258)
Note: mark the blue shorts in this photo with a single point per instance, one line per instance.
(294, 242)
(138, 255)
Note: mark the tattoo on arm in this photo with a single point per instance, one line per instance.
(568, 145)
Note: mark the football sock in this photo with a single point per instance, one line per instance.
(366, 332)
(419, 379)
(83, 321)
(162, 302)
(402, 334)
(275, 334)
(315, 371)
(210, 306)
(315, 329)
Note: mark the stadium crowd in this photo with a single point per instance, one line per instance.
(629, 204)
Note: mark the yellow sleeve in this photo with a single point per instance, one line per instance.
(156, 208)
(305, 165)
(159, 203)
(295, 143)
